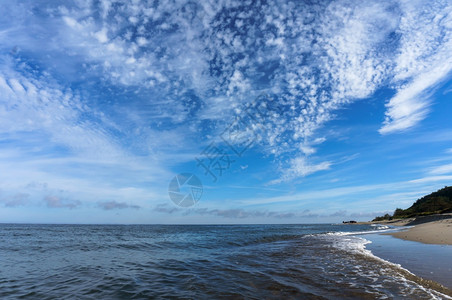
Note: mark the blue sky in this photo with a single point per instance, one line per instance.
(336, 110)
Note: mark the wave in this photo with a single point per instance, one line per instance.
(201, 262)
(354, 245)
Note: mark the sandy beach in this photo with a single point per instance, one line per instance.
(435, 229)
(437, 232)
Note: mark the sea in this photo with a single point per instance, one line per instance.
(317, 261)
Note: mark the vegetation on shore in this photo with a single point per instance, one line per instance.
(435, 203)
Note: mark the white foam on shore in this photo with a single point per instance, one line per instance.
(380, 226)
(345, 233)
(357, 245)
(378, 229)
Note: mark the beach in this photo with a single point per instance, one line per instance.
(419, 244)
(435, 229)
(422, 245)
(438, 232)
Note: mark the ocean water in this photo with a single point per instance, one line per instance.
(201, 262)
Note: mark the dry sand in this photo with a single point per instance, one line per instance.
(435, 229)
(436, 232)
(432, 229)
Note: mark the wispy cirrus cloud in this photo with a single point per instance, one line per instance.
(444, 169)
(423, 61)
(34, 104)
(300, 167)
(411, 103)
(111, 95)
(306, 197)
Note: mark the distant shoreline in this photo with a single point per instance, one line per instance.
(433, 229)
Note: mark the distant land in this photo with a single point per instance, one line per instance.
(438, 202)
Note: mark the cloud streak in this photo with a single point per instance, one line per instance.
(112, 205)
(423, 61)
(244, 214)
(233, 213)
(58, 202)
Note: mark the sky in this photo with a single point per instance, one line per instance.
(276, 111)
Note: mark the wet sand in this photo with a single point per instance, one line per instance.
(428, 261)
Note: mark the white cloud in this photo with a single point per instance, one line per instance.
(314, 196)
(198, 63)
(350, 38)
(351, 59)
(29, 104)
(48, 133)
(411, 104)
(432, 179)
(423, 62)
(301, 167)
(444, 169)
(417, 187)
(101, 36)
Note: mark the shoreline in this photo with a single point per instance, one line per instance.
(435, 232)
(433, 229)
(422, 247)
(422, 260)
